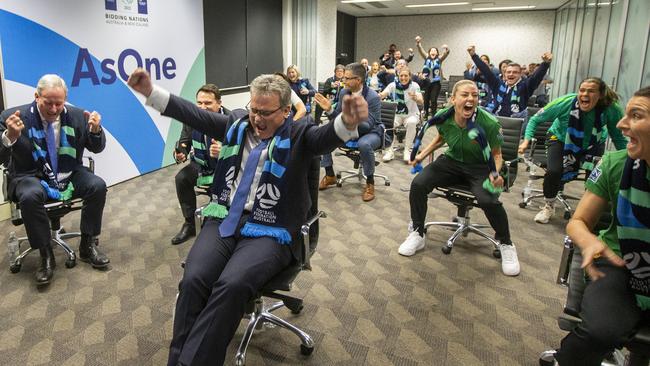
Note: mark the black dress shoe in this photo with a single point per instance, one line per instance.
(90, 253)
(45, 272)
(187, 231)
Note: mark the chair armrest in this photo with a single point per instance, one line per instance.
(304, 231)
(5, 182)
(533, 146)
(565, 262)
(91, 163)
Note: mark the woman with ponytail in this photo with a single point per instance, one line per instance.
(581, 124)
(617, 299)
(301, 86)
(431, 75)
(473, 157)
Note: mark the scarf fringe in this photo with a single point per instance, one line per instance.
(214, 209)
(55, 194)
(257, 230)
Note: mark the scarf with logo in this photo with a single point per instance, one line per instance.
(56, 184)
(633, 223)
(271, 196)
(574, 155)
(431, 69)
(475, 132)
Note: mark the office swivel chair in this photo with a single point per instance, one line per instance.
(572, 276)
(351, 150)
(535, 159)
(462, 197)
(260, 313)
(55, 210)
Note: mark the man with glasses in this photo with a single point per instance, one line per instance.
(371, 130)
(260, 198)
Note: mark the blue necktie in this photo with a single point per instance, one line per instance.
(229, 224)
(51, 147)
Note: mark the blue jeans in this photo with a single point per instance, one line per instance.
(368, 143)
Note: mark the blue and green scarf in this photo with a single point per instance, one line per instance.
(574, 155)
(56, 184)
(267, 217)
(400, 98)
(497, 105)
(475, 132)
(431, 69)
(201, 156)
(633, 223)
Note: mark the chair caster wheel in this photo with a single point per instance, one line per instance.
(62, 231)
(523, 204)
(297, 311)
(567, 215)
(338, 175)
(339, 184)
(496, 253)
(69, 263)
(387, 183)
(306, 351)
(15, 268)
(240, 361)
(446, 249)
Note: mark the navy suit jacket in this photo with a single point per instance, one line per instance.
(373, 124)
(307, 141)
(18, 158)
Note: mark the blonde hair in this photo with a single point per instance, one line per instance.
(457, 86)
(295, 68)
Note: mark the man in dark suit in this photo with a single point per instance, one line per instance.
(371, 130)
(42, 145)
(259, 203)
(201, 167)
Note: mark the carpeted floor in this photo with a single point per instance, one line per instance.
(364, 303)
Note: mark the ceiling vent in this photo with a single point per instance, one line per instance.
(378, 5)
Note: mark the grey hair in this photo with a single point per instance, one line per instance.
(50, 81)
(269, 84)
(357, 70)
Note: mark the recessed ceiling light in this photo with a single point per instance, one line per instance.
(440, 4)
(361, 1)
(506, 8)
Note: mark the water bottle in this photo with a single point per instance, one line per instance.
(13, 248)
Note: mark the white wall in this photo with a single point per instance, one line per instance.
(325, 40)
(519, 36)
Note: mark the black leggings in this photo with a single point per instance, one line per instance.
(431, 92)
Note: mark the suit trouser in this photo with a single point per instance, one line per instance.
(31, 197)
(368, 143)
(609, 315)
(185, 182)
(221, 276)
(312, 181)
(445, 172)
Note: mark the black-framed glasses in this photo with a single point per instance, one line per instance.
(259, 112)
(351, 78)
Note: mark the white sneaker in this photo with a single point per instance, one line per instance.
(545, 214)
(509, 260)
(407, 155)
(412, 244)
(388, 155)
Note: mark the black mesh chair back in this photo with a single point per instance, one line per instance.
(511, 131)
(321, 87)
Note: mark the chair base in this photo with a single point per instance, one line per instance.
(58, 239)
(463, 227)
(262, 315)
(616, 358)
(530, 194)
(351, 174)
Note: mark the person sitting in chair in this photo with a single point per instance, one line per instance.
(617, 299)
(473, 157)
(371, 130)
(259, 201)
(201, 167)
(581, 124)
(42, 145)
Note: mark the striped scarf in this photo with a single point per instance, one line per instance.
(201, 156)
(475, 132)
(431, 69)
(499, 105)
(633, 223)
(56, 184)
(575, 156)
(400, 98)
(267, 217)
